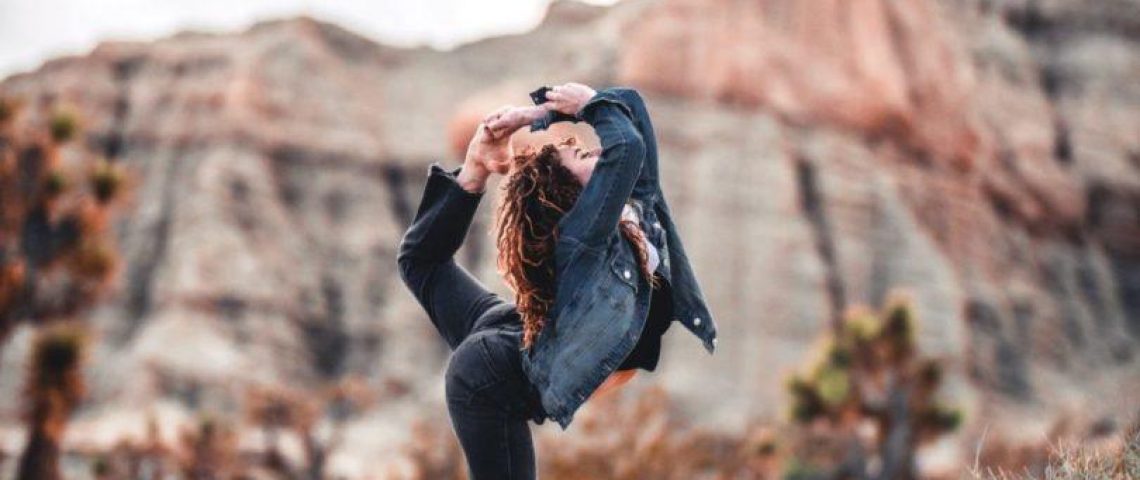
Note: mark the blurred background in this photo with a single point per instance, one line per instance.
(917, 224)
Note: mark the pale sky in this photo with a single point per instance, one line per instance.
(32, 31)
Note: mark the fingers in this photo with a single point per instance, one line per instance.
(495, 135)
(503, 127)
(558, 101)
(568, 88)
(494, 119)
(505, 119)
(484, 132)
(496, 126)
(497, 113)
(488, 134)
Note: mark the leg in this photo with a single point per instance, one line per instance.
(486, 397)
(452, 298)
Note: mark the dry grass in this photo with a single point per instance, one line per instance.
(210, 449)
(871, 378)
(1119, 460)
(434, 453)
(635, 435)
(624, 436)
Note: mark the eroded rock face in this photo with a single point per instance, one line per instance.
(884, 68)
(259, 243)
(981, 156)
(950, 149)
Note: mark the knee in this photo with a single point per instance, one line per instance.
(408, 268)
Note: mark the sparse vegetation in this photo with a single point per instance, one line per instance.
(871, 390)
(106, 181)
(53, 388)
(434, 453)
(55, 259)
(130, 459)
(861, 410)
(643, 437)
(1118, 461)
(55, 254)
(210, 448)
(626, 435)
(7, 110)
(278, 410)
(208, 452)
(63, 126)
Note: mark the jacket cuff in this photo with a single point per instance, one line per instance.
(551, 118)
(589, 111)
(449, 178)
(539, 97)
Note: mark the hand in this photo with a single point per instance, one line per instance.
(487, 154)
(569, 98)
(508, 119)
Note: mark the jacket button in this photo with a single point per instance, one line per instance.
(657, 224)
(626, 274)
(697, 321)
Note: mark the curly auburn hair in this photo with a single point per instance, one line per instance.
(536, 194)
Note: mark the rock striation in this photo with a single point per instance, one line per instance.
(980, 155)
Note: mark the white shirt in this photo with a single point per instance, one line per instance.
(629, 213)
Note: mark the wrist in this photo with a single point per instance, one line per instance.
(534, 113)
(592, 93)
(472, 178)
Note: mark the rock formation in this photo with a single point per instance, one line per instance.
(981, 155)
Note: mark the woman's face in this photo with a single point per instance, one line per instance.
(578, 159)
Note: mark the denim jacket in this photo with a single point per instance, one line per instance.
(601, 300)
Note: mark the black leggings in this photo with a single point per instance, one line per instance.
(489, 397)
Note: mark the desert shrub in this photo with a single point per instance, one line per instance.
(56, 255)
(63, 126)
(870, 398)
(53, 388)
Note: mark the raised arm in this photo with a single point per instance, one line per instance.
(647, 180)
(619, 118)
(507, 120)
(596, 213)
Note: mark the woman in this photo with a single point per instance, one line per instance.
(588, 245)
